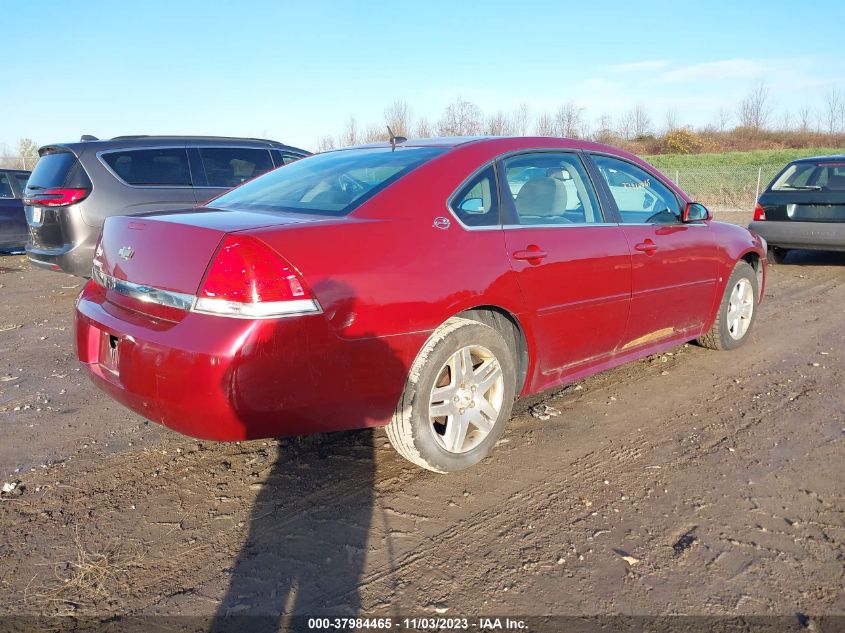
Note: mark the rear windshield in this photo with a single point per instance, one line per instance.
(821, 176)
(327, 184)
(52, 170)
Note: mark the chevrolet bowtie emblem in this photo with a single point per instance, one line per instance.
(126, 252)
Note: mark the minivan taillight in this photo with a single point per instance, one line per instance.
(759, 213)
(57, 197)
(248, 279)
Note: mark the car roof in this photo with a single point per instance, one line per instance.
(821, 159)
(503, 141)
(142, 140)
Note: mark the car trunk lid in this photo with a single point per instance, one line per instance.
(172, 250)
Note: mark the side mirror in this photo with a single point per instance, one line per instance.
(695, 212)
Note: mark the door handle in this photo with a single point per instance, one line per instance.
(532, 254)
(647, 247)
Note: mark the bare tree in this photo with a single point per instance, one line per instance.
(723, 119)
(805, 116)
(545, 125)
(625, 125)
(519, 120)
(670, 119)
(28, 151)
(755, 108)
(461, 118)
(398, 117)
(376, 133)
(325, 144)
(350, 134)
(834, 112)
(786, 121)
(641, 121)
(423, 128)
(605, 133)
(497, 124)
(568, 120)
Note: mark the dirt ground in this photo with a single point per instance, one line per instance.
(695, 482)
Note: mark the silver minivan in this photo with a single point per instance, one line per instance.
(76, 186)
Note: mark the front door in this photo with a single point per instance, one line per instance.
(673, 265)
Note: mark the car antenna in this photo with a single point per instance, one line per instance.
(88, 137)
(395, 140)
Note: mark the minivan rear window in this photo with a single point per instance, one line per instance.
(331, 184)
(163, 167)
(52, 170)
(230, 166)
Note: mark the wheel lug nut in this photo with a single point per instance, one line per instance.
(461, 411)
(455, 399)
(472, 404)
(473, 387)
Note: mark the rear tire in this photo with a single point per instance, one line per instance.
(466, 373)
(776, 254)
(737, 311)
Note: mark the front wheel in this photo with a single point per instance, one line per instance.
(457, 399)
(737, 310)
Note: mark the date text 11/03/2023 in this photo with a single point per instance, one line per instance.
(419, 624)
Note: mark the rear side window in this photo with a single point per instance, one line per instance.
(230, 166)
(284, 158)
(54, 169)
(162, 167)
(6, 187)
(477, 203)
(330, 184)
(22, 180)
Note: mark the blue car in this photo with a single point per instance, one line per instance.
(14, 232)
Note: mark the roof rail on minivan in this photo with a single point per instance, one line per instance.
(132, 137)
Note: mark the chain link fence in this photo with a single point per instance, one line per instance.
(736, 186)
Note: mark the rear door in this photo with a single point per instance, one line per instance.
(673, 265)
(13, 229)
(572, 265)
(218, 169)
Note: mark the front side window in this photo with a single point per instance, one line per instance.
(161, 167)
(230, 166)
(477, 204)
(640, 197)
(549, 188)
(331, 184)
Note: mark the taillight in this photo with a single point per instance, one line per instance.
(249, 279)
(759, 213)
(58, 197)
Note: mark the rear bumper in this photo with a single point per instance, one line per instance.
(810, 235)
(220, 378)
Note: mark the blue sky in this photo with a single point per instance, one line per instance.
(295, 71)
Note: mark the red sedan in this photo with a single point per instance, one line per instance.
(420, 285)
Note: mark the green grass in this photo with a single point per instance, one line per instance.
(729, 178)
(756, 158)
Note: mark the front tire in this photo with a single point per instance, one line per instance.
(737, 311)
(457, 399)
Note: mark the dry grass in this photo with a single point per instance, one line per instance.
(90, 580)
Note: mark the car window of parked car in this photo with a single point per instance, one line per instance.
(230, 166)
(333, 183)
(160, 167)
(6, 187)
(811, 176)
(284, 158)
(477, 203)
(640, 197)
(549, 188)
(22, 180)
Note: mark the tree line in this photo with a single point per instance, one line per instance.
(754, 113)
